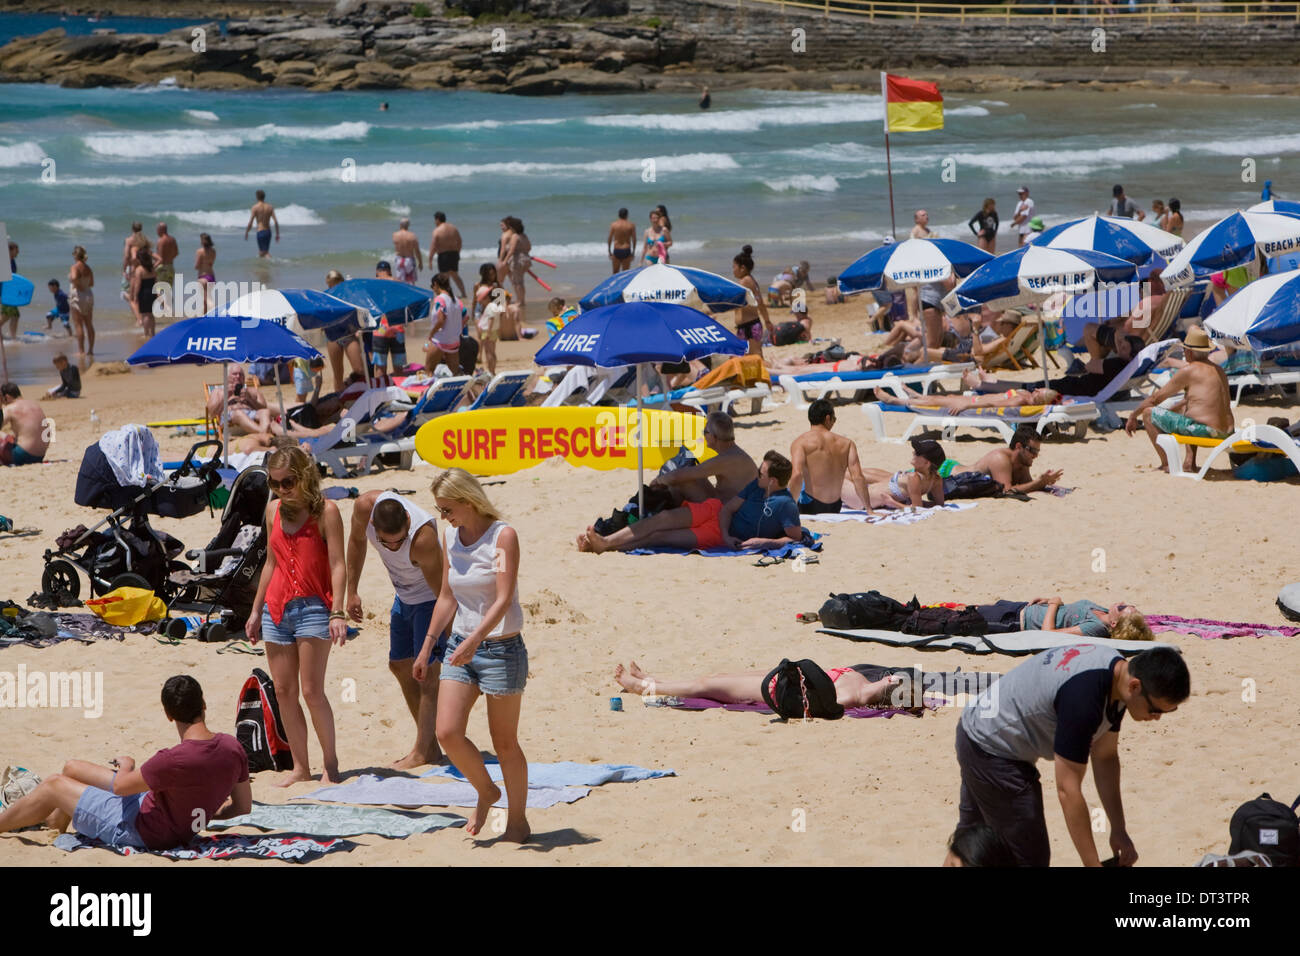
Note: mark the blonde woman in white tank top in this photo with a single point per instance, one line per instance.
(479, 599)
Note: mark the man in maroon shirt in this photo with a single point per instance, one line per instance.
(161, 805)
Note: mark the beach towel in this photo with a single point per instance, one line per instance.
(703, 703)
(742, 371)
(1212, 630)
(784, 551)
(566, 773)
(892, 517)
(407, 792)
(291, 849)
(338, 821)
(1014, 644)
(86, 628)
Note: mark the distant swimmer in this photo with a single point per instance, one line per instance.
(263, 213)
(705, 99)
(165, 254)
(445, 248)
(408, 260)
(621, 242)
(383, 107)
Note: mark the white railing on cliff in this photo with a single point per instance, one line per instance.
(1045, 11)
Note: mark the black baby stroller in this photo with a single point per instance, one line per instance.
(123, 550)
(224, 579)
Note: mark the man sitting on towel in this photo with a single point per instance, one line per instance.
(955, 404)
(721, 477)
(1204, 412)
(822, 461)
(1010, 466)
(763, 516)
(1066, 705)
(161, 805)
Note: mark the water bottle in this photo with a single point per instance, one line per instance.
(94, 419)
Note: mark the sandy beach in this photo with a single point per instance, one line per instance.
(879, 792)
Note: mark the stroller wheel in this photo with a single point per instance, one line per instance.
(129, 581)
(60, 580)
(212, 632)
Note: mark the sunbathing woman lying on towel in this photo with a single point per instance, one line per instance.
(1121, 621)
(894, 491)
(954, 404)
(851, 688)
(853, 362)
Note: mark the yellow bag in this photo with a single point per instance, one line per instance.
(127, 606)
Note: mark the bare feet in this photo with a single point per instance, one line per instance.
(595, 543)
(630, 681)
(882, 395)
(582, 542)
(296, 775)
(635, 670)
(517, 834)
(415, 759)
(485, 802)
(331, 775)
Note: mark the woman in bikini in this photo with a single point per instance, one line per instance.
(143, 278)
(750, 320)
(81, 302)
(515, 261)
(205, 257)
(852, 689)
(955, 404)
(652, 239)
(665, 231)
(298, 608)
(903, 489)
(444, 337)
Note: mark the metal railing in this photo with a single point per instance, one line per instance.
(1118, 11)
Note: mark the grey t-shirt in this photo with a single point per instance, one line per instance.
(1127, 210)
(1057, 702)
(1075, 614)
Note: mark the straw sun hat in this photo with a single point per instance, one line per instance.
(1197, 340)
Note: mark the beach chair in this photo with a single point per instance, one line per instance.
(438, 400)
(504, 391)
(803, 390)
(1012, 351)
(1137, 374)
(1269, 376)
(594, 384)
(1256, 439)
(722, 399)
(358, 415)
(1170, 307)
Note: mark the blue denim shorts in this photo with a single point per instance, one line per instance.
(109, 818)
(407, 627)
(302, 617)
(499, 668)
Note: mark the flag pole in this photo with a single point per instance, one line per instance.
(889, 166)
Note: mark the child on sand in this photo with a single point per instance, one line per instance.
(486, 653)
(69, 379)
(299, 603)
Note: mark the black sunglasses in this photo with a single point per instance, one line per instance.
(1150, 706)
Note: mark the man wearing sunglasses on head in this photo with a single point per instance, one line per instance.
(1065, 705)
(406, 539)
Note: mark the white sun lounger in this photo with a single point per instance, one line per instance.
(1271, 377)
(803, 392)
(1281, 442)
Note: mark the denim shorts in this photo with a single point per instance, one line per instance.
(303, 617)
(499, 668)
(109, 818)
(408, 625)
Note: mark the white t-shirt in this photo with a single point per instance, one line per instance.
(1026, 208)
(448, 337)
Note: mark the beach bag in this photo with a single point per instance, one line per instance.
(1267, 827)
(971, 484)
(802, 690)
(945, 620)
(869, 609)
(127, 606)
(258, 726)
(16, 783)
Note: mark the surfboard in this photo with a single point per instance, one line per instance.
(16, 291)
(501, 441)
(176, 423)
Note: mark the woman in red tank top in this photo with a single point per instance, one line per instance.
(299, 603)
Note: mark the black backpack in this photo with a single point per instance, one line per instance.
(1268, 827)
(971, 484)
(867, 609)
(258, 726)
(802, 690)
(945, 620)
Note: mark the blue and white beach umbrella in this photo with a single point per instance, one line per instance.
(675, 285)
(1122, 238)
(398, 302)
(912, 262)
(307, 308)
(1262, 316)
(632, 333)
(1277, 205)
(1032, 273)
(1231, 242)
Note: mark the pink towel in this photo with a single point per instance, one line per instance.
(1212, 630)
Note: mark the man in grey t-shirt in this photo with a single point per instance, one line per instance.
(1065, 704)
(1123, 207)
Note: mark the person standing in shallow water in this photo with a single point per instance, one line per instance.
(479, 599)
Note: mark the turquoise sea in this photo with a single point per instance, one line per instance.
(796, 175)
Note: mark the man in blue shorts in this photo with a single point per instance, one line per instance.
(406, 538)
(1065, 704)
(263, 213)
(158, 806)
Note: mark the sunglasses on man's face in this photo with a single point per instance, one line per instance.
(1150, 706)
(287, 483)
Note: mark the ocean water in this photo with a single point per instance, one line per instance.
(27, 24)
(796, 175)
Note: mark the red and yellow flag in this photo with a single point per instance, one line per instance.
(911, 105)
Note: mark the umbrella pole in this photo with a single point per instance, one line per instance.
(1042, 338)
(223, 425)
(279, 390)
(640, 447)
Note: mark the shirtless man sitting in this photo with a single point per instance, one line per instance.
(246, 410)
(954, 404)
(722, 476)
(1204, 412)
(822, 462)
(1010, 466)
(28, 443)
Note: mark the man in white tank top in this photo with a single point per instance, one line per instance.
(406, 538)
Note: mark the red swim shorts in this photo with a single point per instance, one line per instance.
(704, 522)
